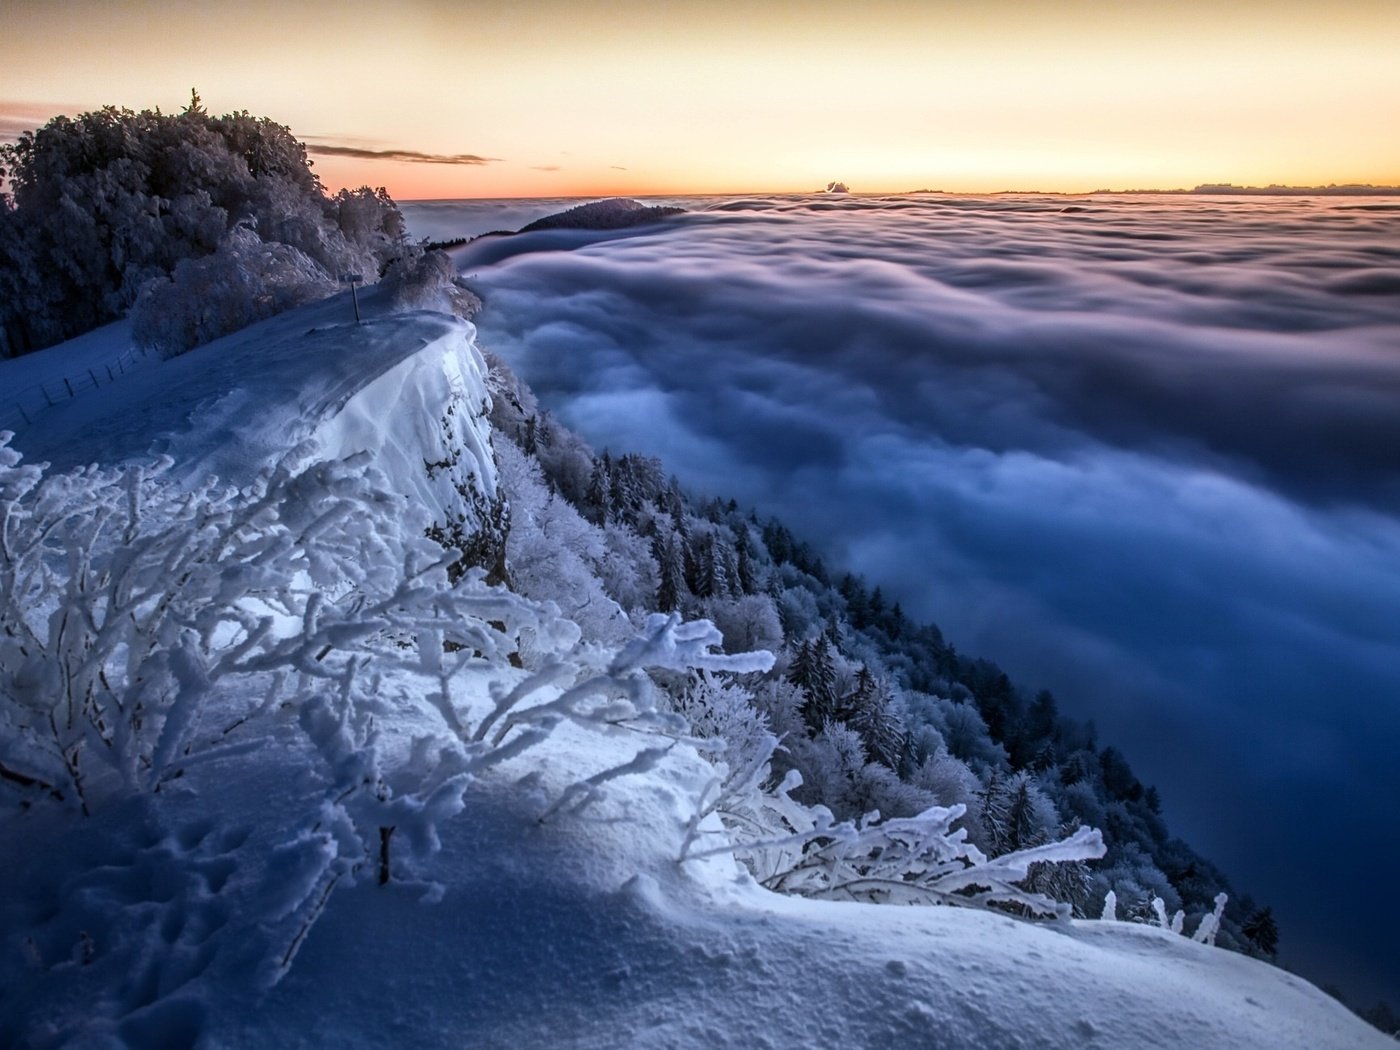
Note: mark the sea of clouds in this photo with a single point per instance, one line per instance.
(1144, 451)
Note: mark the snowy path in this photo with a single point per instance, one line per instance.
(229, 407)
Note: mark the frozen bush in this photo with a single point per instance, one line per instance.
(427, 281)
(246, 280)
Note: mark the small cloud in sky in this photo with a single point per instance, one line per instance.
(617, 167)
(324, 149)
(18, 117)
(545, 167)
(11, 128)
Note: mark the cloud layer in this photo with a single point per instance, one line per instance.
(323, 149)
(1145, 452)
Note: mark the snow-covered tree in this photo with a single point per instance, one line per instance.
(747, 622)
(811, 670)
(869, 709)
(103, 203)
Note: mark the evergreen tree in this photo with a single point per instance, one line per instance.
(1009, 813)
(811, 671)
(779, 542)
(599, 493)
(877, 606)
(673, 502)
(1152, 799)
(1261, 928)
(712, 567)
(895, 623)
(857, 602)
(1042, 717)
(670, 571)
(832, 631)
(745, 579)
(873, 717)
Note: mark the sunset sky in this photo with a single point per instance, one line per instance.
(586, 97)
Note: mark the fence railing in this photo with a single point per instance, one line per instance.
(19, 408)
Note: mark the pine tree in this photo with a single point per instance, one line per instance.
(1152, 799)
(832, 632)
(624, 491)
(1021, 827)
(599, 492)
(896, 622)
(670, 571)
(544, 431)
(857, 602)
(873, 717)
(726, 568)
(672, 501)
(1262, 928)
(877, 606)
(745, 579)
(711, 574)
(1010, 813)
(811, 671)
(779, 542)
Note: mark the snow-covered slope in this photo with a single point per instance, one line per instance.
(585, 932)
(407, 387)
(153, 922)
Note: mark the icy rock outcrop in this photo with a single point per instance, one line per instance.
(425, 422)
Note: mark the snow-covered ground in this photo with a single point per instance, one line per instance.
(182, 917)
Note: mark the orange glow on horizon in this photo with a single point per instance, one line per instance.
(590, 98)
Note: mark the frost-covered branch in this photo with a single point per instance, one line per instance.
(129, 609)
(793, 848)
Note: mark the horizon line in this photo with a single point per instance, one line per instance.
(1344, 189)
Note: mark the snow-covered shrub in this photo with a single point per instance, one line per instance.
(722, 711)
(126, 602)
(617, 691)
(629, 574)
(146, 632)
(749, 621)
(1210, 922)
(923, 859)
(245, 280)
(792, 847)
(428, 281)
(378, 792)
(554, 553)
(370, 220)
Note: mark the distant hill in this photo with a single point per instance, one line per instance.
(615, 213)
